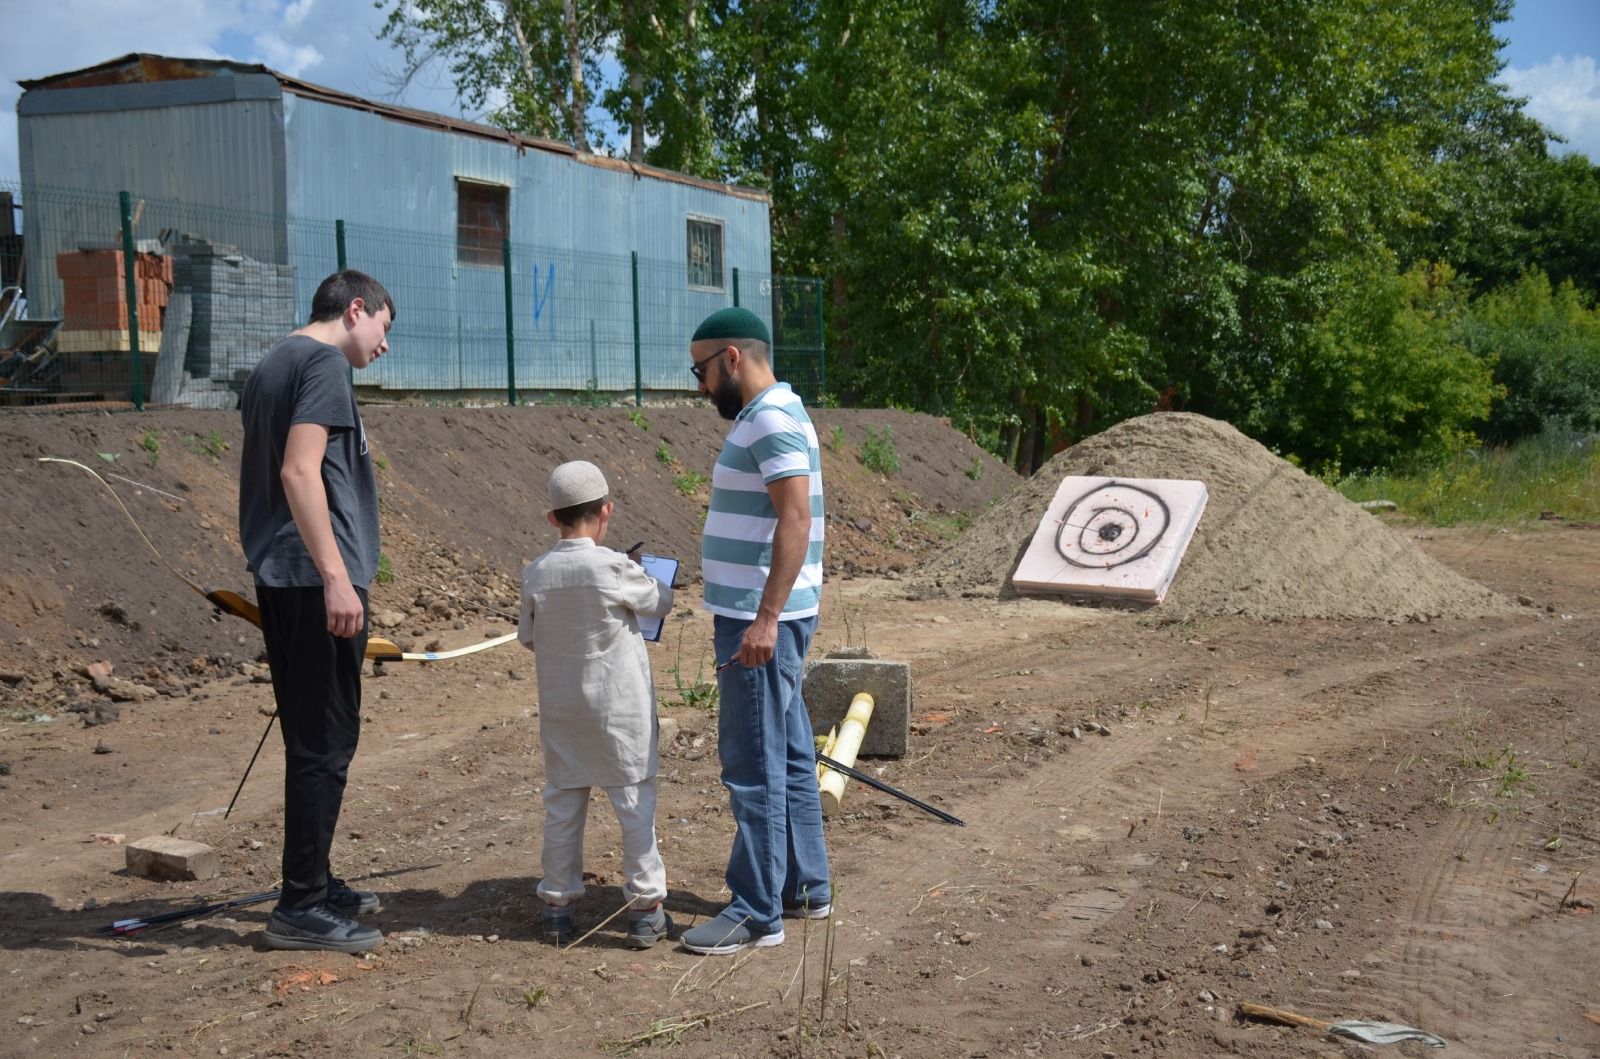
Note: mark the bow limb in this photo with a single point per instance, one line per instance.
(148, 543)
(388, 652)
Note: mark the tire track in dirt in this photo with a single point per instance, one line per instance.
(1097, 785)
(1470, 927)
(1260, 732)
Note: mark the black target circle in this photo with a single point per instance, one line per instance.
(1112, 524)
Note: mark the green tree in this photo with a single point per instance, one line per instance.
(1386, 373)
(1552, 225)
(1544, 344)
(535, 63)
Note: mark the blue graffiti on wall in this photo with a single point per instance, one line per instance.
(541, 300)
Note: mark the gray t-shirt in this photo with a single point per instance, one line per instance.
(301, 380)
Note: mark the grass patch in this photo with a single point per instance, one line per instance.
(1554, 472)
(637, 418)
(689, 481)
(664, 454)
(591, 396)
(877, 452)
(698, 690)
(836, 438)
(410, 1043)
(385, 572)
(212, 444)
(948, 527)
(151, 444)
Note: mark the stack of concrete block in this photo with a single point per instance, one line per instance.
(241, 307)
(95, 298)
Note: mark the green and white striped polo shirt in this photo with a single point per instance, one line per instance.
(772, 438)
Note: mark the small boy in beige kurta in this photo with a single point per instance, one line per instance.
(581, 605)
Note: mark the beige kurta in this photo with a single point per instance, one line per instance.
(597, 705)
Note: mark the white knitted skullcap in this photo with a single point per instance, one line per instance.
(576, 483)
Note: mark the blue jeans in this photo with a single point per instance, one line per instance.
(769, 765)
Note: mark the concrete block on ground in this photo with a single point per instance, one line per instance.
(832, 681)
(165, 857)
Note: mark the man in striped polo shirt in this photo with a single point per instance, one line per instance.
(761, 560)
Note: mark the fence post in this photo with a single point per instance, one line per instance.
(130, 283)
(822, 347)
(338, 245)
(736, 288)
(511, 339)
(638, 363)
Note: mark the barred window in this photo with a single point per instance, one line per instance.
(705, 254)
(482, 215)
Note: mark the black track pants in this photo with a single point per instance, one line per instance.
(316, 679)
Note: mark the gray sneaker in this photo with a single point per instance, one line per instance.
(351, 902)
(726, 935)
(319, 927)
(647, 928)
(807, 911)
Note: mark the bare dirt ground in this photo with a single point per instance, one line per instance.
(1346, 818)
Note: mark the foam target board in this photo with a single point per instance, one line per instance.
(1121, 538)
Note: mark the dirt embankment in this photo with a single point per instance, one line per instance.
(463, 500)
(1273, 542)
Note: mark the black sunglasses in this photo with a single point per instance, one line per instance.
(698, 368)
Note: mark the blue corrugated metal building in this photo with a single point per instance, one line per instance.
(265, 162)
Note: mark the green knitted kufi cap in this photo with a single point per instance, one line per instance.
(733, 323)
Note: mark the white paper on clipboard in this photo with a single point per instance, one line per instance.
(664, 570)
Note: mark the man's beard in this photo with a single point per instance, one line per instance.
(727, 398)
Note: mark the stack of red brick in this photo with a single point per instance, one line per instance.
(95, 316)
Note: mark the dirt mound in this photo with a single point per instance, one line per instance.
(1273, 543)
(462, 493)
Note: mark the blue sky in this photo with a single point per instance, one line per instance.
(1553, 53)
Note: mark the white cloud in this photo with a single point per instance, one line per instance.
(1564, 94)
(335, 40)
(284, 57)
(296, 12)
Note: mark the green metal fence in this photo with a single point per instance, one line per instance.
(162, 304)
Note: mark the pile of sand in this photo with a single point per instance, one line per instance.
(1273, 542)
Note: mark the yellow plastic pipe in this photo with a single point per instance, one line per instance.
(827, 748)
(851, 732)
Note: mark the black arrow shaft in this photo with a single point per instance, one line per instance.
(133, 926)
(878, 784)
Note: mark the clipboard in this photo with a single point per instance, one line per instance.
(664, 570)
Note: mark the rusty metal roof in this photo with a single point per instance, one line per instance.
(146, 68)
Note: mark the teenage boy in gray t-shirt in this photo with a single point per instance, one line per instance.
(308, 522)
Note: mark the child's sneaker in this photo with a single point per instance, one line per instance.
(560, 924)
(648, 927)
